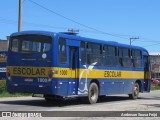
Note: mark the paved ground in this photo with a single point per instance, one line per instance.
(146, 102)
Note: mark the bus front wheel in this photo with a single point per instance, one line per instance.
(135, 92)
(93, 93)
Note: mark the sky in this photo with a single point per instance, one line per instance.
(110, 20)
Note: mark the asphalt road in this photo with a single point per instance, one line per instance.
(146, 102)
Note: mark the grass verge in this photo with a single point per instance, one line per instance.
(155, 87)
(7, 94)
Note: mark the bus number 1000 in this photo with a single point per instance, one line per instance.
(63, 72)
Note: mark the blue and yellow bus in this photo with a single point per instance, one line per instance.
(61, 65)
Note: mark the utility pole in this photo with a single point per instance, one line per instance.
(132, 39)
(20, 16)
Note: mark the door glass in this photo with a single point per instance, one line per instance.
(73, 59)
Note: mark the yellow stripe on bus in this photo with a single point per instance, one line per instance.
(115, 74)
(29, 71)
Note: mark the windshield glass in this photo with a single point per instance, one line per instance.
(30, 43)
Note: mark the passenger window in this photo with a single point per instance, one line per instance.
(124, 57)
(126, 53)
(110, 56)
(62, 50)
(83, 52)
(136, 58)
(94, 54)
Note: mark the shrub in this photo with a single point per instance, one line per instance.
(2, 85)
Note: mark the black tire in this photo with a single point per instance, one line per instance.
(93, 93)
(48, 99)
(102, 97)
(135, 92)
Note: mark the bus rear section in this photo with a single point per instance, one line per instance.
(29, 64)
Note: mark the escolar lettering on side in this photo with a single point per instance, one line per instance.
(114, 74)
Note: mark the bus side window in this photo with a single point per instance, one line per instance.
(111, 56)
(126, 58)
(120, 54)
(136, 58)
(83, 53)
(62, 50)
(94, 54)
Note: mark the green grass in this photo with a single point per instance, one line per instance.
(155, 87)
(7, 94)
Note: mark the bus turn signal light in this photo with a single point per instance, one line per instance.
(51, 73)
(8, 74)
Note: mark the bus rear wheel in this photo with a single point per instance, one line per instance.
(135, 92)
(93, 93)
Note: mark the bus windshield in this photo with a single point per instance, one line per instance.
(30, 43)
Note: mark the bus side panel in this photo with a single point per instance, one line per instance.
(72, 87)
(111, 86)
(128, 85)
(61, 86)
(106, 86)
(64, 86)
(124, 86)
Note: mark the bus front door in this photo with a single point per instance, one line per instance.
(74, 63)
(146, 74)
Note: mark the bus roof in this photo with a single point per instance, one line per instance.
(69, 36)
